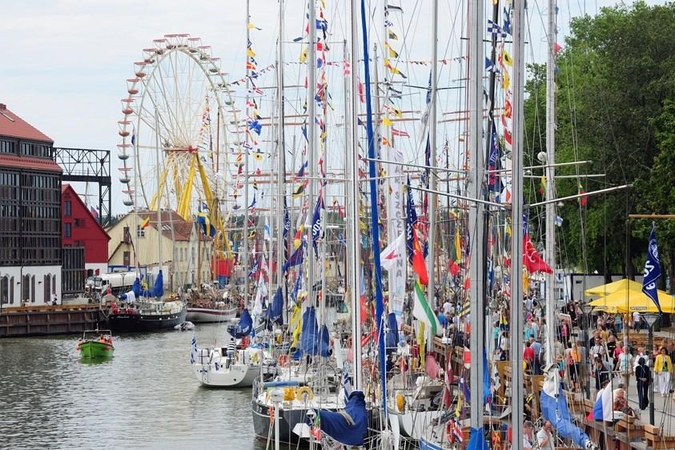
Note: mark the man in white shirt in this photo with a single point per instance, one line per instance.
(545, 437)
(636, 321)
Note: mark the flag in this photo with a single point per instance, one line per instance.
(582, 199)
(418, 263)
(410, 222)
(193, 350)
(542, 186)
(146, 223)
(423, 312)
(393, 252)
(295, 259)
(652, 269)
(317, 225)
(206, 225)
(603, 409)
(494, 184)
(392, 35)
(532, 259)
(402, 133)
(94, 212)
(267, 232)
(559, 221)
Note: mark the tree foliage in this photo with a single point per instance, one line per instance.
(615, 80)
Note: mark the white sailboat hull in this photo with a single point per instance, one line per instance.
(236, 375)
(209, 315)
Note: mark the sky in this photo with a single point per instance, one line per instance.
(65, 62)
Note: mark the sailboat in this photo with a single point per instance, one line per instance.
(144, 310)
(235, 363)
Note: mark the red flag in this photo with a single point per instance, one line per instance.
(581, 192)
(418, 263)
(532, 258)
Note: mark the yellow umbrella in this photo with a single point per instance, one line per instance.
(622, 285)
(631, 300)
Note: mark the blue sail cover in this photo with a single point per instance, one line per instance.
(324, 341)
(477, 440)
(555, 410)
(308, 341)
(391, 337)
(245, 324)
(158, 288)
(340, 428)
(137, 287)
(275, 313)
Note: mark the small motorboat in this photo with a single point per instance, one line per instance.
(96, 344)
(185, 326)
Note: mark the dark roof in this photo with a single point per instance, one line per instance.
(14, 126)
(29, 163)
(181, 228)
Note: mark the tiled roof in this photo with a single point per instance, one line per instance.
(14, 126)
(181, 228)
(29, 163)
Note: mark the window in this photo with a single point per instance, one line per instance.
(79, 223)
(67, 232)
(126, 259)
(67, 208)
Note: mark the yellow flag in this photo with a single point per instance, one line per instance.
(392, 52)
(303, 55)
(250, 53)
(506, 58)
(250, 26)
(387, 122)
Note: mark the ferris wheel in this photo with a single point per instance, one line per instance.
(179, 133)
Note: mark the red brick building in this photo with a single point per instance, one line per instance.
(81, 228)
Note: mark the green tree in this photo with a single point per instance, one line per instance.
(615, 73)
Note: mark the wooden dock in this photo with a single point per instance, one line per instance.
(43, 320)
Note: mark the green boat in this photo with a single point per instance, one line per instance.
(96, 344)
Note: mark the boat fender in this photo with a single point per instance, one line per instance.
(289, 394)
(304, 393)
(400, 402)
(284, 360)
(254, 358)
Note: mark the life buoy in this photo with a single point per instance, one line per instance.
(304, 393)
(284, 360)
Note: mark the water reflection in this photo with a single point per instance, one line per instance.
(144, 396)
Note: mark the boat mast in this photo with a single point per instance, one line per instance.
(432, 179)
(353, 250)
(372, 173)
(281, 152)
(311, 142)
(474, 189)
(244, 251)
(516, 323)
(159, 197)
(550, 255)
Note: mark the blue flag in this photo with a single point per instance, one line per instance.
(652, 269)
(317, 225)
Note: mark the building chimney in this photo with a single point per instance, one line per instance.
(3, 107)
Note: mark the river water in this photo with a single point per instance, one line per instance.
(144, 397)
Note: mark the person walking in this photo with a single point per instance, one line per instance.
(643, 376)
(663, 367)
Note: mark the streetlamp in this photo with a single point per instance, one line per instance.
(585, 325)
(651, 318)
